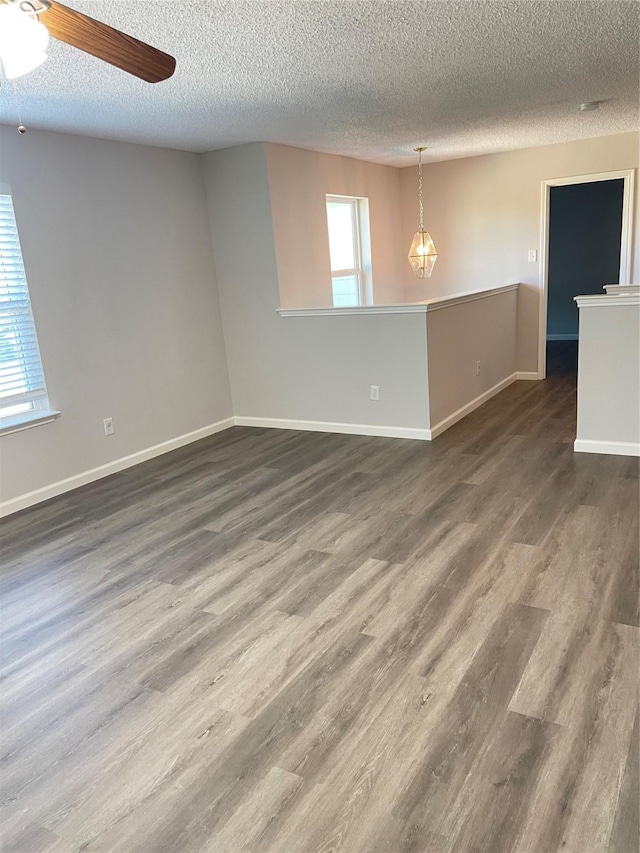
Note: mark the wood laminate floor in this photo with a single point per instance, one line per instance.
(302, 642)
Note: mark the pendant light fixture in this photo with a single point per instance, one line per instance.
(422, 254)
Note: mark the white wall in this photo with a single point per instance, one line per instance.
(460, 336)
(609, 378)
(117, 251)
(301, 368)
(299, 182)
(484, 214)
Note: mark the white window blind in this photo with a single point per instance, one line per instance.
(22, 386)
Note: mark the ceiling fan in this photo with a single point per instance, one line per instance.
(25, 26)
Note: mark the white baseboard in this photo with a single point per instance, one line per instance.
(54, 489)
(348, 429)
(456, 416)
(62, 486)
(562, 337)
(527, 374)
(613, 448)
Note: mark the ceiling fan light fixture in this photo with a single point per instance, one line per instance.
(23, 41)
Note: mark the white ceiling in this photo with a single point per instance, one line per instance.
(366, 78)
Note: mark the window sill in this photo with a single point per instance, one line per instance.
(20, 422)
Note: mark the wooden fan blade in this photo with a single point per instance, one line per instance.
(125, 52)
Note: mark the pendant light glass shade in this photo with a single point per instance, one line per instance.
(23, 41)
(422, 254)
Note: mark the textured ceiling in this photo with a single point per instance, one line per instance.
(366, 78)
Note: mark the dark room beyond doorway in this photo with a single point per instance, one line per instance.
(585, 233)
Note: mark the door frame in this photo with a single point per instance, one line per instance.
(628, 175)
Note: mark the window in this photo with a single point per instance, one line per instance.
(349, 250)
(23, 395)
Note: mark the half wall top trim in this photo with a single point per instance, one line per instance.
(423, 307)
(598, 300)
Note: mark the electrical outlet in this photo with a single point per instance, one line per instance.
(108, 426)
(533, 256)
(375, 392)
(477, 368)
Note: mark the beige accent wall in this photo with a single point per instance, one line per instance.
(484, 216)
(460, 336)
(609, 376)
(316, 369)
(117, 251)
(299, 182)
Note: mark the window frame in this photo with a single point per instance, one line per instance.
(360, 235)
(36, 410)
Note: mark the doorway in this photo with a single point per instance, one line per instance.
(586, 238)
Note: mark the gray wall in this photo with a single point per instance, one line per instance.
(117, 251)
(460, 336)
(301, 368)
(117, 242)
(609, 376)
(585, 222)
